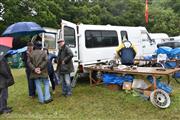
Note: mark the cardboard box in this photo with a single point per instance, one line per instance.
(113, 87)
(147, 93)
(150, 87)
(127, 86)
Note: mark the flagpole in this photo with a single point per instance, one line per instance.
(146, 12)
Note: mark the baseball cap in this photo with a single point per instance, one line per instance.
(60, 40)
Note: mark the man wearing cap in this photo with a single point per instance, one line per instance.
(65, 67)
(25, 56)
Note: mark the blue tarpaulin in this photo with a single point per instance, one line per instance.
(175, 53)
(164, 50)
(116, 79)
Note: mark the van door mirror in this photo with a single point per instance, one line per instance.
(144, 40)
(152, 41)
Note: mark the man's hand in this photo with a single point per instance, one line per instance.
(63, 62)
(37, 70)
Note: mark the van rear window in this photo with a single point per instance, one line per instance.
(101, 38)
(69, 36)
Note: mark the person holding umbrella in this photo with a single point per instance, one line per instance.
(6, 77)
(6, 80)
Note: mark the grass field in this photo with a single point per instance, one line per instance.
(87, 103)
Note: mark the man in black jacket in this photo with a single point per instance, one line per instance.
(6, 80)
(65, 67)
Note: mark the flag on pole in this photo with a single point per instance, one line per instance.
(146, 12)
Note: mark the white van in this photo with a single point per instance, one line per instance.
(159, 37)
(93, 44)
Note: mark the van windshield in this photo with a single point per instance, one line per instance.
(146, 37)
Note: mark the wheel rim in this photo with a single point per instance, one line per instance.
(160, 98)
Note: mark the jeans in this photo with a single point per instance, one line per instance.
(66, 84)
(31, 84)
(3, 98)
(52, 79)
(46, 96)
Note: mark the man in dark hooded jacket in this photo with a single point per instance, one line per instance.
(6, 80)
(126, 52)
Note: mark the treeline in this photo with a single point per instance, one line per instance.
(164, 15)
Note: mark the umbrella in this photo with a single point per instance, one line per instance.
(23, 28)
(5, 45)
(20, 50)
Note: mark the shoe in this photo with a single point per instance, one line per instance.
(1, 112)
(64, 95)
(68, 95)
(7, 110)
(8, 107)
(32, 97)
(48, 101)
(41, 103)
(53, 92)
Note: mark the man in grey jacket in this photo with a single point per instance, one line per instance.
(65, 67)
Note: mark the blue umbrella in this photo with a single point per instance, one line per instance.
(22, 29)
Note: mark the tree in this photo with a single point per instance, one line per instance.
(163, 14)
(163, 19)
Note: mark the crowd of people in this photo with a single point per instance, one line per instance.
(39, 70)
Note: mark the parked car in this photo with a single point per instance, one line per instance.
(172, 44)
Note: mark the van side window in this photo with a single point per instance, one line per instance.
(100, 38)
(69, 36)
(124, 35)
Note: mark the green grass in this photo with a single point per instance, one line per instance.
(87, 103)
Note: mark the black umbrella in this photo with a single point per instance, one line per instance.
(23, 28)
